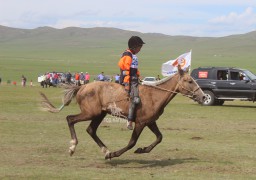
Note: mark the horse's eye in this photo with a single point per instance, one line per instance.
(189, 80)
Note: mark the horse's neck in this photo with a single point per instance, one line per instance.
(170, 84)
(164, 92)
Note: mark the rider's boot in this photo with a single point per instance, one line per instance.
(130, 116)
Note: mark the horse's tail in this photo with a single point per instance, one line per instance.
(69, 92)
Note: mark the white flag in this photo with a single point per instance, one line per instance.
(171, 67)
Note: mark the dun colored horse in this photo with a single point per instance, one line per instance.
(98, 99)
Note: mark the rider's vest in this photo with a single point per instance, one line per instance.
(122, 62)
(128, 65)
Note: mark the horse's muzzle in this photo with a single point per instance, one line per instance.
(199, 98)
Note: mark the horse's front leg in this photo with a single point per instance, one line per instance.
(153, 127)
(135, 135)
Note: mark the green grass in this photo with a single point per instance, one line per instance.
(199, 142)
(94, 50)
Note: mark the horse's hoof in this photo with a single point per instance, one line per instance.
(138, 151)
(71, 152)
(72, 148)
(108, 156)
(141, 150)
(105, 150)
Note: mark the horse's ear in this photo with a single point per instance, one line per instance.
(181, 72)
(187, 69)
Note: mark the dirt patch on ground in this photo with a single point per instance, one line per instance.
(197, 138)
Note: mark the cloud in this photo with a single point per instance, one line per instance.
(85, 24)
(176, 17)
(248, 17)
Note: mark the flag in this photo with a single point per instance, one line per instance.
(171, 67)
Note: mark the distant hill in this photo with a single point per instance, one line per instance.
(75, 48)
(94, 37)
(101, 35)
(8, 33)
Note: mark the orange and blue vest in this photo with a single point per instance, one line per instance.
(128, 64)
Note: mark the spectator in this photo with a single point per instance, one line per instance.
(49, 76)
(117, 78)
(55, 78)
(77, 77)
(82, 78)
(87, 78)
(23, 81)
(101, 76)
(69, 77)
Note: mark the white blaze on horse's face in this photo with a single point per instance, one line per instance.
(188, 87)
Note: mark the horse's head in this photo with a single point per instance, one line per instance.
(187, 86)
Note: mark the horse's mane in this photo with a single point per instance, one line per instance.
(158, 82)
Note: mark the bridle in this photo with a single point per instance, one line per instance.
(176, 88)
(167, 90)
(192, 92)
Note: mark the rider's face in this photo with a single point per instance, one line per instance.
(137, 49)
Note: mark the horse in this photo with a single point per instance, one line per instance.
(97, 99)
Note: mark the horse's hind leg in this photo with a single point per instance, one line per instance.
(92, 128)
(72, 120)
(153, 127)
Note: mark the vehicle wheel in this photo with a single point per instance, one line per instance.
(219, 102)
(209, 98)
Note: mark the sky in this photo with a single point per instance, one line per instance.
(201, 18)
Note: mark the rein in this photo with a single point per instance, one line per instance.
(193, 92)
(167, 90)
(175, 91)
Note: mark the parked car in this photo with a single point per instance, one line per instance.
(222, 84)
(148, 80)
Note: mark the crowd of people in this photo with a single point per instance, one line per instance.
(77, 78)
(51, 79)
(57, 77)
(80, 78)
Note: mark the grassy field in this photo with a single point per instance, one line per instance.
(32, 52)
(199, 142)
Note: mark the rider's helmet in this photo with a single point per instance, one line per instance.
(135, 42)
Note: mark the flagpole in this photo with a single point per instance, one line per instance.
(190, 61)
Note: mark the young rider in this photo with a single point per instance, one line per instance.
(129, 76)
